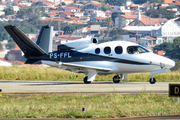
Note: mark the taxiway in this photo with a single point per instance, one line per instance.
(80, 87)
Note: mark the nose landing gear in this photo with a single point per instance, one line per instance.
(152, 80)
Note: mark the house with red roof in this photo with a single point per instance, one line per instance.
(93, 5)
(20, 5)
(147, 21)
(132, 7)
(67, 14)
(52, 14)
(33, 1)
(67, 1)
(168, 1)
(124, 20)
(25, 3)
(98, 19)
(2, 6)
(177, 3)
(61, 19)
(71, 9)
(83, 31)
(48, 3)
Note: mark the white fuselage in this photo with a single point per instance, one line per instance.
(154, 61)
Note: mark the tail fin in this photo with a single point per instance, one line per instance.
(45, 38)
(29, 48)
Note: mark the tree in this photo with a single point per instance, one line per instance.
(177, 65)
(63, 3)
(101, 1)
(116, 2)
(176, 42)
(117, 37)
(109, 23)
(155, 13)
(1, 47)
(104, 8)
(74, 1)
(156, 1)
(117, 31)
(103, 40)
(172, 6)
(39, 4)
(11, 45)
(115, 15)
(8, 11)
(139, 1)
(32, 13)
(68, 29)
(166, 46)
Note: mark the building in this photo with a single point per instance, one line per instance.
(171, 29)
(67, 1)
(95, 29)
(147, 21)
(15, 8)
(168, 1)
(98, 13)
(143, 31)
(79, 14)
(122, 9)
(71, 9)
(147, 41)
(67, 14)
(124, 20)
(98, 19)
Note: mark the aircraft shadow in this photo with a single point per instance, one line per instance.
(48, 83)
(65, 83)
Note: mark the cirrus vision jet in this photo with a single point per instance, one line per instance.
(87, 56)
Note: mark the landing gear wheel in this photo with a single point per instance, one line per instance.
(85, 80)
(152, 80)
(116, 79)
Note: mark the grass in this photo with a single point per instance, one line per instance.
(55, 74)
(107, 106)
(70, 106)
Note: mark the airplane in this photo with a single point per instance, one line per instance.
(88, 56)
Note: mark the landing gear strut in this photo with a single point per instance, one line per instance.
(152, 80)
(85, 80)
(116, 79)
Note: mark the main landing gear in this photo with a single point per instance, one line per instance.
(116, 79)
(152, 80)
(85, 80)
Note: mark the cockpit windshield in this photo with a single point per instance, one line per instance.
(136, 50)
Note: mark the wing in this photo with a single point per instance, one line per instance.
(75, 67)
(87, 67)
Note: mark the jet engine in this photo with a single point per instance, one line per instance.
(94, 40)
(78, 44)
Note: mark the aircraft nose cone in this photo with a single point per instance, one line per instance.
(170, 63)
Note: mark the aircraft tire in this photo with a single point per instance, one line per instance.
(152, 81)
(115, 79)
(85, 80)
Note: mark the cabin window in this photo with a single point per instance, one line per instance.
(118, 50)
(97, 50)
(107, 50)
(136, 50)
